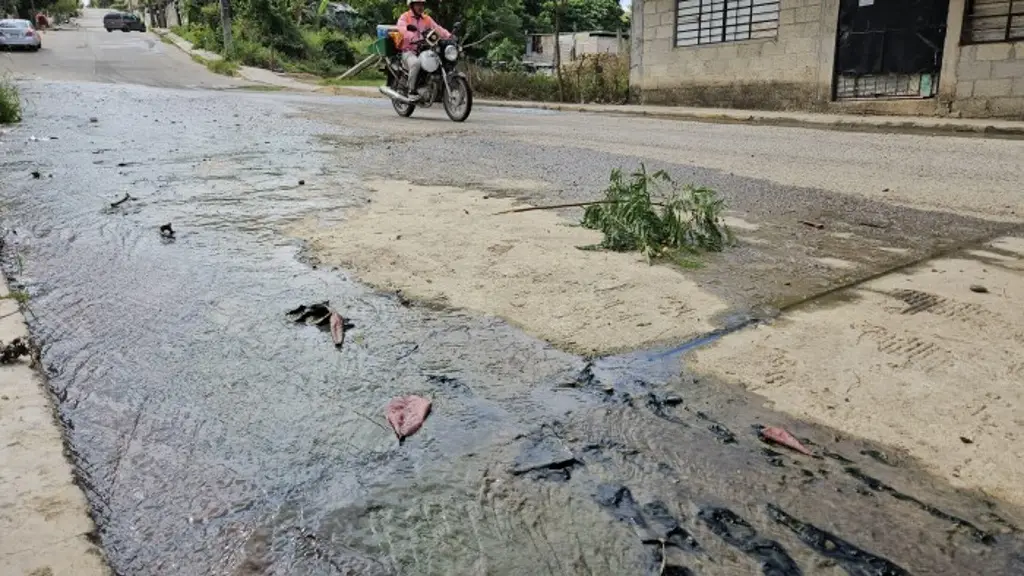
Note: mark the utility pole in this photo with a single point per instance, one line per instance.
(225, 24)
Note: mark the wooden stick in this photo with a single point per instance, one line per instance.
(557, 206)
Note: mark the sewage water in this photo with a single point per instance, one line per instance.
(213, 436)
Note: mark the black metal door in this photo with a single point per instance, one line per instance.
(889, 48)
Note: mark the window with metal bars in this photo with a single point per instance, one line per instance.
(993, 21)
(717, 21)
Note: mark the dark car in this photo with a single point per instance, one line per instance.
(123, 22)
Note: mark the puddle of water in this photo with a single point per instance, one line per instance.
(214, 436)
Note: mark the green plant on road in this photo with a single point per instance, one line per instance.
(19, 296)
(686, 219)
(10, 102)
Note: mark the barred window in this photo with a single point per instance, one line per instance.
(716, 21)
(994, 21)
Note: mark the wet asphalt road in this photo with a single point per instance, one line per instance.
(214, 437)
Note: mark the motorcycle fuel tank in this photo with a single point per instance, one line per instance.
(430, 61)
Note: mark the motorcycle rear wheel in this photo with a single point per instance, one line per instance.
(459, 84)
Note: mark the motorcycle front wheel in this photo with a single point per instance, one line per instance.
(404, 110)
(458, 102)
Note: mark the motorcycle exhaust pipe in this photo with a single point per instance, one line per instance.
(387, 91)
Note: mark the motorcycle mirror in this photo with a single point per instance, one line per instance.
(412, 28)
(457, 26)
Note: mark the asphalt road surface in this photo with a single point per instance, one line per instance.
(214, 436)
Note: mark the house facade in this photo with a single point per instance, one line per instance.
(947, 57)
(540, 48)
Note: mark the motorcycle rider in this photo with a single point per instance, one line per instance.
(413, 24)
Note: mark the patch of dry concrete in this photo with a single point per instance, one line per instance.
(44, 517)
(447, 245)
(917, 360)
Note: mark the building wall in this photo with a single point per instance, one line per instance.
(990, 80)
(791, 71)
(584, 44)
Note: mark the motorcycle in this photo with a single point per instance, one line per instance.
(438, 80)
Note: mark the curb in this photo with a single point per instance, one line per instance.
(44, 515)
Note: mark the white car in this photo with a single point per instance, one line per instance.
(19, 34)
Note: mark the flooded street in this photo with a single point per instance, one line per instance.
(214, 436)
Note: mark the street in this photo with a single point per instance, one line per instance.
(592, 414)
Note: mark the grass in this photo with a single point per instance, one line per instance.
(223, 66)
(10, 102)
(594, 78)
(679, 223)
(352, 82)
(19, 296)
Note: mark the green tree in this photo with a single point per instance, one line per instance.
(586, 15)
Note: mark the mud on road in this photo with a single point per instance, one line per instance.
(213, 435)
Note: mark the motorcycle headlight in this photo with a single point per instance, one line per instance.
(451, 53)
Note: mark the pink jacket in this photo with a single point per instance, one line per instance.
(423, 24)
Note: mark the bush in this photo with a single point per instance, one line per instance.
(267, 42)
(689, 219)
(251, 53)
(10, 102)
(595, 78)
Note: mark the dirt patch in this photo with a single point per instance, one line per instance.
(447, 245)
(922, 361)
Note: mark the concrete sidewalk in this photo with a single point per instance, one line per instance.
(992, 127)
(44, 516)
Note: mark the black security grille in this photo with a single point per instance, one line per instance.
(717, 21)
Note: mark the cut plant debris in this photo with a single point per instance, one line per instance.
(686, 218)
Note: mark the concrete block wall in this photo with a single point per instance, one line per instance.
(790, 71)
(990, 80)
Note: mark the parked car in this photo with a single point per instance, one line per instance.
(19, 34)
(123, 21)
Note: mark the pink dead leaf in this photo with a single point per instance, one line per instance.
(406, 414)
(337, 329)
(783, 438)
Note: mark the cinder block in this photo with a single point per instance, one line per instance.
(807, 14)
(650, 7)
(971, 70)
(1020, 51)
(993, 88)
(968, 53)
(750, 50)
(803, 30)
(800, 45)
(1008, 69)
(999, 51)
(964, 89)
(739, 67)
(728, 51)
(664, 32)
(708, 53)
(972, 107)
(1006, 107)
(668, 18)
(665, 5)
(772, 48)
(1018, 87)
(787, 17)
(658, 54)
(654, 73)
